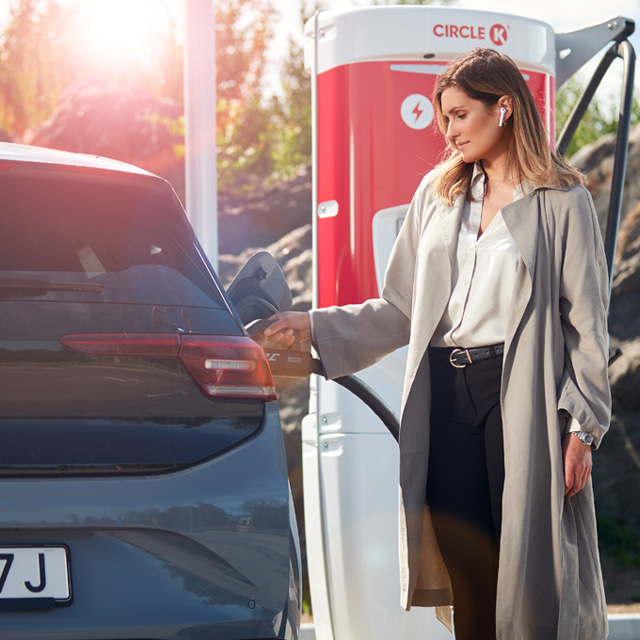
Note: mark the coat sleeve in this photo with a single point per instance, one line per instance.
(584, 389)
(353, 337)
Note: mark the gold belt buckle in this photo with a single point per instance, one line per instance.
(454, 353)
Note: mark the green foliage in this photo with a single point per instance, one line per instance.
(600, 119)
(243, 30)
(619, 542)
(41, 56)
(243, 146)
(34, 63)
(290, 122)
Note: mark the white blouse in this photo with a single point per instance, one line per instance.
(483, 277)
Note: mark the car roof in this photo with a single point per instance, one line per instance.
(10, 152)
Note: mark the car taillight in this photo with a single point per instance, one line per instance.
(222, 367)
(124, 344)
(228, 367)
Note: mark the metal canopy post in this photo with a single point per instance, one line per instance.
(200, 125)
(627, 53)
(621, 49)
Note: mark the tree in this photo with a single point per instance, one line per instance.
(41, 56)
(243, 29)
(290, 123)
(600, 119)
(34, 63)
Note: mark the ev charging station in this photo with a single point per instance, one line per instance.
(373, 72)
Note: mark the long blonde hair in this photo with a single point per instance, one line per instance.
(486, 75)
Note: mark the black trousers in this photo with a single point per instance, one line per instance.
(464, 485)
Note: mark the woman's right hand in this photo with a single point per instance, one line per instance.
(282, 331)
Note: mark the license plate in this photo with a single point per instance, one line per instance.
(28, 573)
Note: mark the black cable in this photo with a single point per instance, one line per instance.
(372, 400)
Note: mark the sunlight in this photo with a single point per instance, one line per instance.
(119, 31)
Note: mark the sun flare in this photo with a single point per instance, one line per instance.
(115, 32)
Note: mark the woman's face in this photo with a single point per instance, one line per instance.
(472, 128)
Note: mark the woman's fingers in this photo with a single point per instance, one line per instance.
(283, 330)
(278, 325)
(280, 333)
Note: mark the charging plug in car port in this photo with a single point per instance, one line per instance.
(285, 363)
(289, 363)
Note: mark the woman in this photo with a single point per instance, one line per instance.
(498, 283)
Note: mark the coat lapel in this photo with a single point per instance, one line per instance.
(449, 222)
(522, 219)
(434, 274)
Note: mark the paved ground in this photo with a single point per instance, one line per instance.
(622, 627)
(306, 631)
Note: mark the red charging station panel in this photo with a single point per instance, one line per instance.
(377, 138)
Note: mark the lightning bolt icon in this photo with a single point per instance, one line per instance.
(417, 110)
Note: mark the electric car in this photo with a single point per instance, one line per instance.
(143, 479)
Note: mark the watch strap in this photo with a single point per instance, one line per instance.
(586, 437)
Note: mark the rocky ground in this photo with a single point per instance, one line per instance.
(617, 464)
(279, 219)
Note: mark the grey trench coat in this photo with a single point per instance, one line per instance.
(554, 366)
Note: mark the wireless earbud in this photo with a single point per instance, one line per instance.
(503, 113)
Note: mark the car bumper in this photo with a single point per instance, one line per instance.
(209, 551)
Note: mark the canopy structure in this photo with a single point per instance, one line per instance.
(200, 125)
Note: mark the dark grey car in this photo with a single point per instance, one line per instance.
(143, 481)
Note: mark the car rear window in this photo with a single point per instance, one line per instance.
(72, 236)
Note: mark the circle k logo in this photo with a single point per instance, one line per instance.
(498, 35)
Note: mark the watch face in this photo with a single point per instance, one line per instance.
(587, 438)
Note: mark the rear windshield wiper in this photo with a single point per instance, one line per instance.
(26, 287)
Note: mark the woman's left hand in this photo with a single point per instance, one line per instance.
(577, 464)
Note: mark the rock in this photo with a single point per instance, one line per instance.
(616, 472)
(291, 245)
(596, 160)
(298, 273)
(119, 121)
(624, 375)
(624, 319)
(627, 268)
(589, 157)
(229, 265)
(292, 252)
(259, 219)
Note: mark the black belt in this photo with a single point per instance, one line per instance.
(460, 358)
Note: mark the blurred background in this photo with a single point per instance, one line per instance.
(106, 77)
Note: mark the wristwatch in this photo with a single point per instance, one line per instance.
(587, 438)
